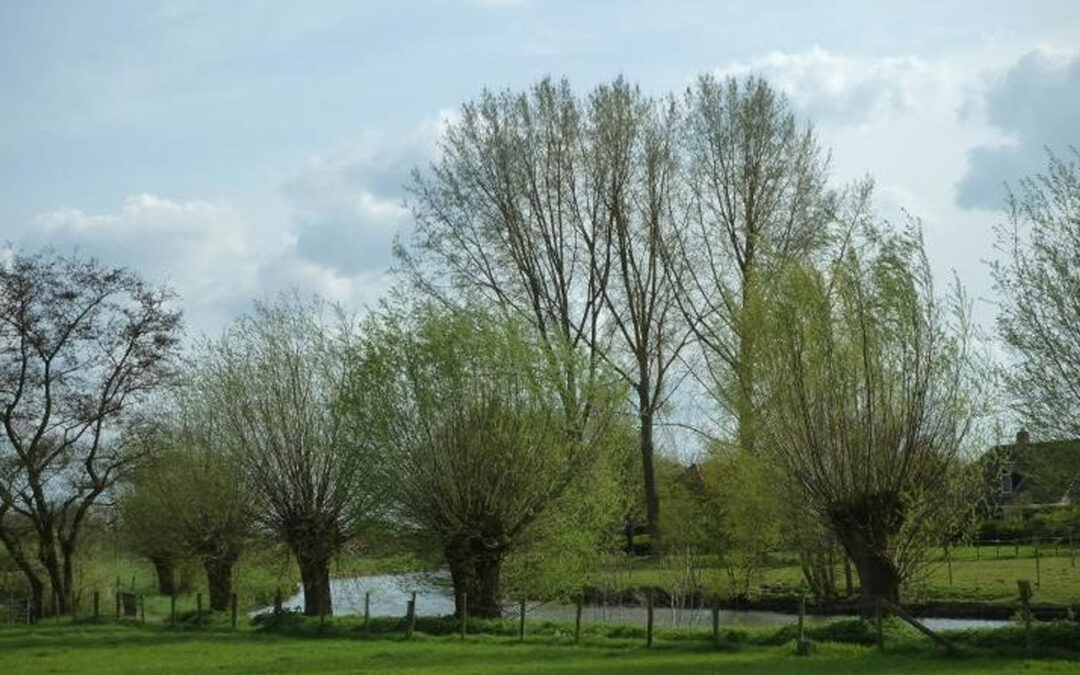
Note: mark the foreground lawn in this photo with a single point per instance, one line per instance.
(123, 649)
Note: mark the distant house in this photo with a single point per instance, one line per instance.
(1034, 475)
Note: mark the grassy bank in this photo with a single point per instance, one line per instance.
(126, 649)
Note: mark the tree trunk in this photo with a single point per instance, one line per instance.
(315, 577)
(67, 597)
(475, 571)
(165, 569)
(37, 586)
(648, 472)
(51, 562)
(219, 582)
(488, 569)
(49, 559)
(849, 584)
(865, 524)
(745, 370)
(878, 577)
(37, 597)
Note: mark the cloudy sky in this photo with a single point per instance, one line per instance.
(233, 149)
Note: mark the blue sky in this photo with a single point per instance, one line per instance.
(234, 149)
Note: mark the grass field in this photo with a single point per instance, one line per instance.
(125, 649)
(987, 576)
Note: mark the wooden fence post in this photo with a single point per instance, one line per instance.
(1038, 571)
(367, 611)
(803, 647)
(142, 609)
(521, 620)
(412, 615)
(172, 610)
(277, 601)
(232, 603)
(802, 618)
(948, 562)
(117, 604)
(198, 609)
(879, 624)
(410, 610)
(464, 613)
(1025, 606)
(97, 599)
(577, 619)
(648, 618)
(716, 622)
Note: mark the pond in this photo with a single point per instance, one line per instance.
(434, 597)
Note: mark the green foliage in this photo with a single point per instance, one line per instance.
(751, 490)
(493, 449)
(1053, 523)
(1038, 279)
(870, 388)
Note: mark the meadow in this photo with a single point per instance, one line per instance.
(111, 648)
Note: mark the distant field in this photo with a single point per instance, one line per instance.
(121, 649)
(989, 577)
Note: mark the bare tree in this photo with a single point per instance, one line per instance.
(81, 347)
(867, 394)
(275, 379)
(557, 210)
(512, 211)
(644, 203)
(1038, 280)
(758, 198)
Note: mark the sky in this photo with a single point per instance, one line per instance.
(236, 149)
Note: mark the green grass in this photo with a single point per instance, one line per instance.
(985, 578)
(124, 649)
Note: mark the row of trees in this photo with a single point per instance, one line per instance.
(695, 236)
(580, 266)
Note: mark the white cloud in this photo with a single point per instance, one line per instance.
(909, 122)
(329, 231)
(827, 85)
(1035, 105)
(348, 204)
(207, 251)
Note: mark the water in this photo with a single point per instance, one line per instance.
(434, 597)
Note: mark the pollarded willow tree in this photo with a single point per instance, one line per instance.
(82, 348)
(275, 378)
(1038, 280)
(469, 412)
(867, 396)
(556, 208)
(191, 497)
